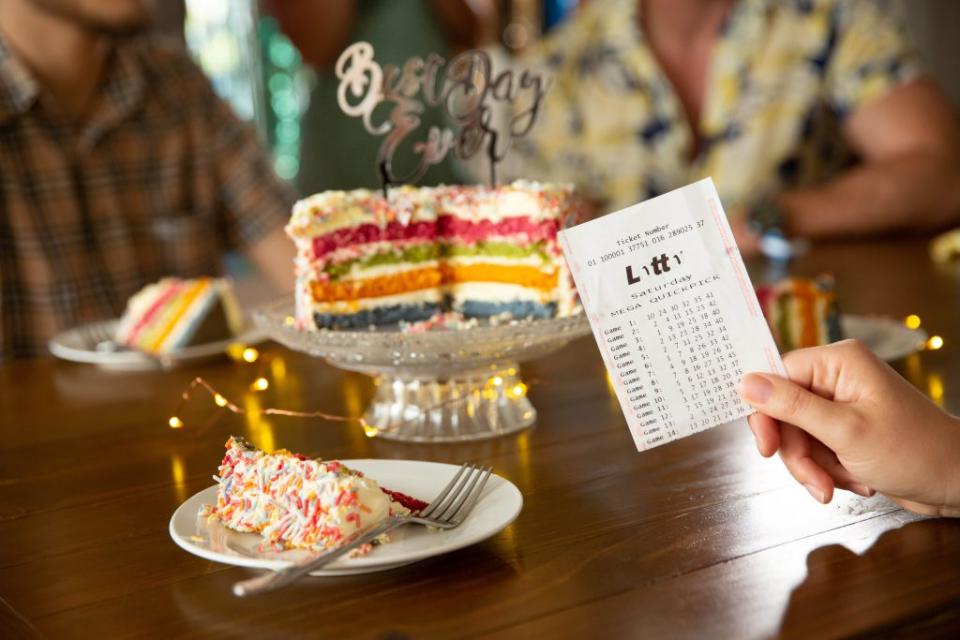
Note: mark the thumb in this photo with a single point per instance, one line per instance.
(788, 402)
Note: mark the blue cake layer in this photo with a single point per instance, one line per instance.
(378, 316)
(516, 308)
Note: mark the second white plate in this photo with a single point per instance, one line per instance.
(499, 505)
(82, 344)
(888, 339)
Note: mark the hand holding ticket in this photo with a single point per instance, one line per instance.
(673, 312)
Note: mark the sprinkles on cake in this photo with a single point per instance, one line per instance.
(296, 502)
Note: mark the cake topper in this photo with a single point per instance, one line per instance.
(467, 90)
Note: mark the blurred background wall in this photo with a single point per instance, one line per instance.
(935, 25)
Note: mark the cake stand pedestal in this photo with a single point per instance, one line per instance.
(442, 385)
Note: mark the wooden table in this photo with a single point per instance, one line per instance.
(699, 538)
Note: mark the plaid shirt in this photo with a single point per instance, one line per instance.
(159, 180)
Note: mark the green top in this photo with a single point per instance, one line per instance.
(336, 151)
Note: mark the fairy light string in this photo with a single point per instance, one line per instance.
(224, 403)
(495, 384)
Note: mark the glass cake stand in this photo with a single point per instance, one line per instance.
(442, 385)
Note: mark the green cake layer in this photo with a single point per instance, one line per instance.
(425, 252)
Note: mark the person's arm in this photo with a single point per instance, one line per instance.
(468, 23)
(320, 30)
(253, 203)
(274, 255)
(844, 419)
(909, 178)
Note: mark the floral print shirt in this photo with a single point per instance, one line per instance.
(783, 76)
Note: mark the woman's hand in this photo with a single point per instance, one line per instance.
(845, 419)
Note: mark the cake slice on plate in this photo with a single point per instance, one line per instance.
(174, 313)
(296, 502)
(801, 312)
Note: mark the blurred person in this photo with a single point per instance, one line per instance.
(337, 152)
(844, 419)
(812, 116)
(118, 166)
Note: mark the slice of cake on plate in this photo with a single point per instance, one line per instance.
(801, 312)
(296, 502)
(174, 313)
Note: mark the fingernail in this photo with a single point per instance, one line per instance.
(755, 389)
(861, 489)
(816, 493)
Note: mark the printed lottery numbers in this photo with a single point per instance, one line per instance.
(695, 341)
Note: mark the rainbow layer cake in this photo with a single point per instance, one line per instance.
(363, 260)
(296, 502)
(172, 314)
(801, 312)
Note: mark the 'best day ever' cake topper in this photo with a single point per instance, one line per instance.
(467, 90)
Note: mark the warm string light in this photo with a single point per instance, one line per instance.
(935, 388)
(221, 401)
(933, 343)
(494, 385)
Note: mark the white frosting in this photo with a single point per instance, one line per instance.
(535, 261)
(496, 292)
(520, 199)
(331, 211)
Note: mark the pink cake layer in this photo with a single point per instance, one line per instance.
(147, 317)
(447, 227)
(365, 233)
(470, 231)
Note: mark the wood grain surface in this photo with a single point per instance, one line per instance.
(700, 538)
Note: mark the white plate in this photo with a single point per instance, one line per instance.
(80, 345)
(498, 507)
(887, 338)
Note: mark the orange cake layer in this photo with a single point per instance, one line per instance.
(195, 290)
(507, 274)
(391, 285)
(417, 279)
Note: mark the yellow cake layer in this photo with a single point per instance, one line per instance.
(177, 311)
(523, 275)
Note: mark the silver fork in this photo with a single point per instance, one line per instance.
(100, 337)
(448, 510)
